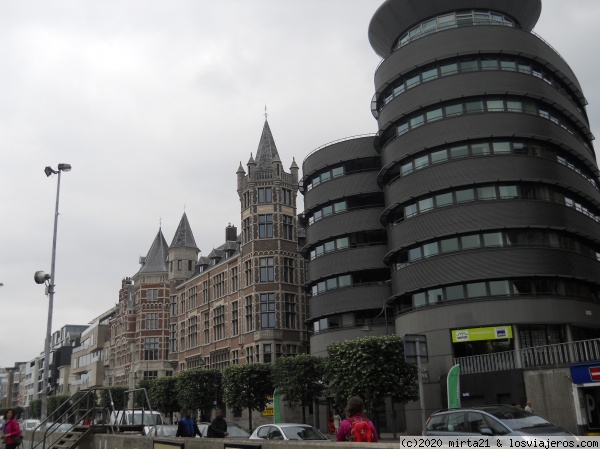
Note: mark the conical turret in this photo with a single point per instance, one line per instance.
(155, 262)
(267, 151)
(183, 252)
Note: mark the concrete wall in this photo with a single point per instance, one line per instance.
(551, 394)
(141, 442)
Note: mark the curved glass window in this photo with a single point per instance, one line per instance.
(542, 287)
(358, 165)
(356, 202)
(358, 279)
(472, 64)
(454, 20)
(338, 244)
(326, 211)
(491, 104)
(350, 320)
(488, 148)
(539, 238)
(487, 192)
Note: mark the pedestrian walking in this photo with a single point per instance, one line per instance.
(529, 407)
(12, 435)
(337, 419)
(218, 426)
(356, 428)
(187, 427)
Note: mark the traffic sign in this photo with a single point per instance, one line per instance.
(595, 373)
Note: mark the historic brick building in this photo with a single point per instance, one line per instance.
(242, 303)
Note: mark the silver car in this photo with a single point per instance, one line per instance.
(233, 430)
(490, 420)
(287, 431)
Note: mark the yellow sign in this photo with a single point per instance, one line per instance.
(481, 333)
(268, 411)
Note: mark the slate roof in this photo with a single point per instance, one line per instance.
(267, 151)
(183, 236)
(156, 260)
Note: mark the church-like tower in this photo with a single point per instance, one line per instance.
(138, 342)
(273, 270)
(183, 252)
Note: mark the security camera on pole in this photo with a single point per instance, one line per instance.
(42, 278)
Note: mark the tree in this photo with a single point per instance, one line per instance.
(372, 368)
(247, 387)
(199, 389)
(57, 406)
(35, 408)
(118, 397)
(139, 398)
(300, 379)
(163, 395)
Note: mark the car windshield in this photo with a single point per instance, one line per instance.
(302, 433)
(166, 431)
(148, 418)
(516, 418)
(236, 432)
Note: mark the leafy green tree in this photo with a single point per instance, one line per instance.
(199, 389)
(118, 397)
(372, 368)
(163, 395)
(300, 379)
(139, 398)
(247, 387)
(57, 406)
(35, 408)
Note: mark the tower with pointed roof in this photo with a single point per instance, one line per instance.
(138, 341)
(272, 268)
(183, 252)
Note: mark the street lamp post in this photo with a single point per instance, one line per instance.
(40, 278)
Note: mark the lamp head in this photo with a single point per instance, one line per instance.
(64, 167)
(40, 277)
(49, 171)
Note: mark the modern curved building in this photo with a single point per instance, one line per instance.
(490, 203)
(345, 241)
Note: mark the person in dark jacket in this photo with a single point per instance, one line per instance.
(218, 426)
(187, 427)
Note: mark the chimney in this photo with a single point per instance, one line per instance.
(230, 233)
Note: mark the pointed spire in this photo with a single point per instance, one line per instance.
(267, 151)
(183, 236)
(241, 169)
(156, 260)
(251, 160)
(294, 165)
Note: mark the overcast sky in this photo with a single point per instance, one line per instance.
(154, 104)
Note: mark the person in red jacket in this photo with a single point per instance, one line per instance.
(10, 429)
(354, 413)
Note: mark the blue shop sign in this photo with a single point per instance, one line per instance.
(585, 373)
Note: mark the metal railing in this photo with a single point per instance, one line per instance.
(536, 356)
(78, 409)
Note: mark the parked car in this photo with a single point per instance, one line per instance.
(287, 431)
(233, 429)
(490, 420)
(132, 417)
(162, 431)
(30, 424)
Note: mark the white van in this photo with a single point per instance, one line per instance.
(134, 417)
